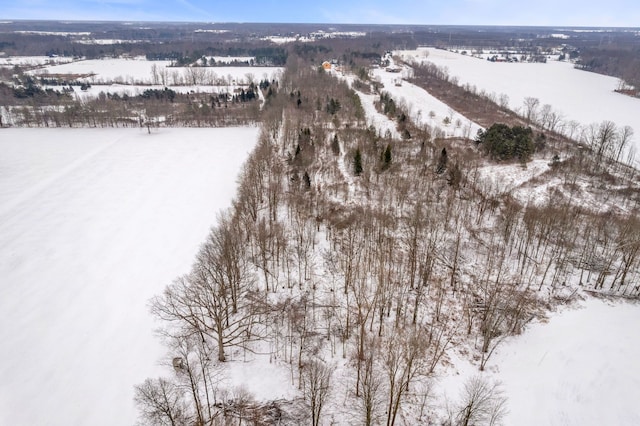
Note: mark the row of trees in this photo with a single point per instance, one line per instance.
(610, 142)
(152, 107)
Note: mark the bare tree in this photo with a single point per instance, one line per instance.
(531, 109)
(624, 137)
(317, 386)
(370, 383)
(215, 299)
(481, 403)
(403, 359)
(161, 402)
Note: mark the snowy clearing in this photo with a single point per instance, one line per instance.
(505, 178)
(93, 223)
(142, 71)
(578, 368)
(32, 61)
(424, 108)
(582, 96)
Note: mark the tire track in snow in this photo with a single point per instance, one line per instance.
(7, 209)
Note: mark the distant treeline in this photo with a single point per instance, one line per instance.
(623, 63)
(264, 56)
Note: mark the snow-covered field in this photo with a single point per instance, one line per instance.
(93, 223)
(578, 95)
(579, 368)
(141, 71)
(32, 61)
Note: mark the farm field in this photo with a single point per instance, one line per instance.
(577, 368)
(141, 71)
(93, 223)
(580, 96)
(32, 61)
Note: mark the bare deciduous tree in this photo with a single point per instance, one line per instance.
(161, 403)
(481, 403)
(403, 359)
(215, 299)
(531, 108)
(317, 386)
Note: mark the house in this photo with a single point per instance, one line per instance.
(326, 65)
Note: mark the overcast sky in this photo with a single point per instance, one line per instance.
(624, 13)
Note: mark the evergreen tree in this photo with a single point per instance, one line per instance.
(386, 158)
(335, 145)
(357, 163)
(502, 142)
(442, 162)
(307, 180)
(333, 106)
(454, 176)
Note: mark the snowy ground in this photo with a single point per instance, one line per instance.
(32, 61)
(93, 223)
(141, 71)
(421, 107)
(424, 108)
(504, 178)
(579, 95)
(579, 368)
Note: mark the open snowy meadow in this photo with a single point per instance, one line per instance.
(578, 368)
(93, 223)
(142, 71)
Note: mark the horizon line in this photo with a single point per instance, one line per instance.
(6, 21)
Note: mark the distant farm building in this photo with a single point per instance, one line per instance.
(326, 65)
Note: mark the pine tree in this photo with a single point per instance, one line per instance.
(357, 163)
(455, 176)
(335, 145)
(442, 162)
(386, 158)
(307, 180)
